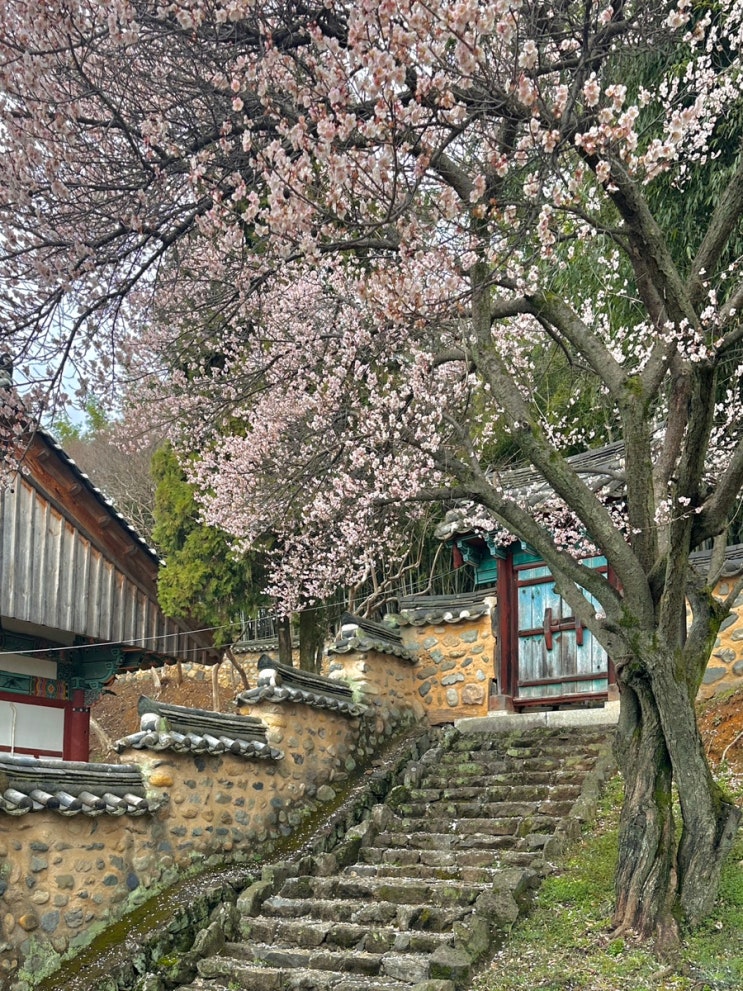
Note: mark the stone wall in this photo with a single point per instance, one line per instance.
(455, 667)
(64, 878)
(725, 668)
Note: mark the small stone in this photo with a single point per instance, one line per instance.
(452, 698)
(161, 778)
(29, 922)
(325, 793)
(473, 695)
(711, 675)
(50, 921)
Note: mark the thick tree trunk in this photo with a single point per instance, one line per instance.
(658, 744)
(645, 878)
(710, 822)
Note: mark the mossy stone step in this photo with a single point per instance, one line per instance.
(478, 810)
(338, 935)
(501, 826)
(257, 977)
(422, 872)
(494, 793)
(447, 841)
(452, 811)
(405, 891)
(430, 858)
(430, 918)
(558, 776)
(545, 739)
(410, 967)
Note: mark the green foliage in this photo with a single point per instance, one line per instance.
(95, 419)
(203, 580)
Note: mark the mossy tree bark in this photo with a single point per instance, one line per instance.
(660, 879)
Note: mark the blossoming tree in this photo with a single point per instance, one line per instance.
(335, 244)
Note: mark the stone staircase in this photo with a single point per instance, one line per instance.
(428, 885)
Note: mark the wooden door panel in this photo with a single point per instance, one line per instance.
(556, 656)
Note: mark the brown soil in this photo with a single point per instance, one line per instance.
(721, 725)
(116, 711)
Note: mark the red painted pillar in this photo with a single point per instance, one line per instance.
(77, 728)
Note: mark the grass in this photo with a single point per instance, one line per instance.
(565, 944)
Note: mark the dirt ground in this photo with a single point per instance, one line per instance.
(116, 711)
(720, 718)
(721, 725)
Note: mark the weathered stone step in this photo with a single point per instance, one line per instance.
(422, 872)
(429, 858)
(443, 783)
(520, 858)
(494, 793)
(466, 769)
(502, 826)
(338, 935)
(555, 740)
(416, 811)
(430, 918)
(406, 891)
(448, 841)
(258, 977)
(353, 961)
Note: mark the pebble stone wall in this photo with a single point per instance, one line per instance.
(455, 667)
(64, 878)
(725, 668)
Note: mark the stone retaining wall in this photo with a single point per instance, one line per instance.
(64, 878)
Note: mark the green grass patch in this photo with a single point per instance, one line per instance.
(565, 944)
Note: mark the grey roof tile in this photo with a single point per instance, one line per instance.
(31, 784)
(280, 683)
(197, 731)
(423, 610)
(357, 634)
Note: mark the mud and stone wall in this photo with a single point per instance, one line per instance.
(64, 878)
(455, 667)
(725, 668)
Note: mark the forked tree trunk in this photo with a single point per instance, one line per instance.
(645, 878)
(236, 666)
(658, 744)
(710, 822)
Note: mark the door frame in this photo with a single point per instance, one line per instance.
(507, 652)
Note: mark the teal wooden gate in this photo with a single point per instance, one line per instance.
(556, 655)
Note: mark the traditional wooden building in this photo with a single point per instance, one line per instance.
(544, 656)
(78, 604)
